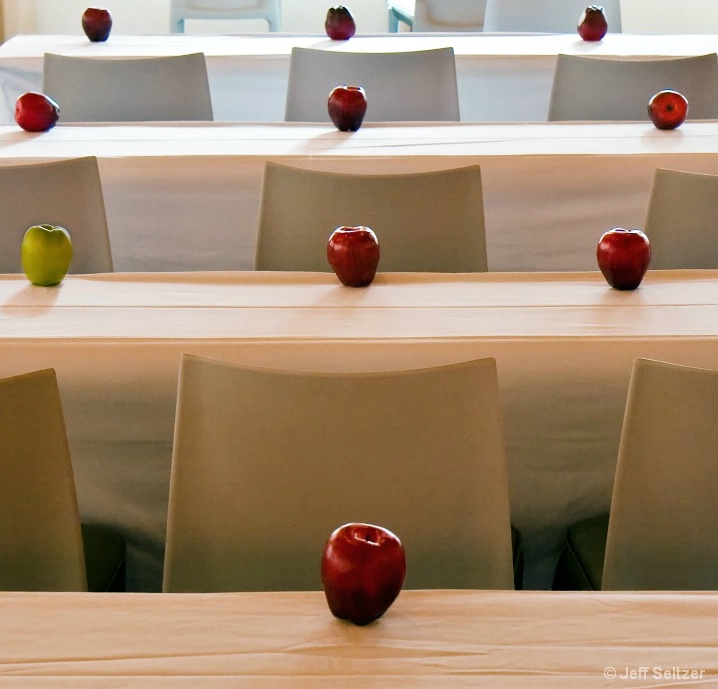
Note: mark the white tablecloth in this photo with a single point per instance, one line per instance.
(501, 77)
(187, 196)
(427, 640)
(564, 344)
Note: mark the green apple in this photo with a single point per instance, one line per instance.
(45, 254)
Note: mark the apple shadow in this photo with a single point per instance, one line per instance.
(19, 136)
(40, 299)
(658, 138)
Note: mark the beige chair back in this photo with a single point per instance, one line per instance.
(428, 221)
(682, 220)
(269, 10)
(663, 528)
(545, 16)
(598, 88)
(449, 15)
(40, 538)
(267, 463)
(63, 192)
(173, 88)
(414, 85)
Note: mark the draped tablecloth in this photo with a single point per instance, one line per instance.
(500, 76)
(186, 196)
(564, 345)
(427, 640)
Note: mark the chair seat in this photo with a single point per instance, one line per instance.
(580, 566)
(105, 558)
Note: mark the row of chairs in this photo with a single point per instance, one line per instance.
(266, 463)
(441, 212)
(177, 88)
(537, 16)
(548, 16)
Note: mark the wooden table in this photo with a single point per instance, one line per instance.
(187, 196)
(564, 345)
(427, 640)
(501, 77)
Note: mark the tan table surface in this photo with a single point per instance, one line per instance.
(428, 639)
(187, 196)
(564, 345)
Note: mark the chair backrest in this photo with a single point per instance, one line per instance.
(63, 192)
(425, 222)
(663, 528)
(267, 463)
(545, 16)
(449, 15)
(682, 220)
(597, 88)
(89, 89)
(416, 85)
(270, 10)
(40, 537)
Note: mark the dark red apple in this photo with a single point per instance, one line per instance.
(353, 254)
(623, 257)
(36, 112)
(668, 109)
(347, 107)
(592, 24)
(339, 23)
(97, 23)
(363, 570)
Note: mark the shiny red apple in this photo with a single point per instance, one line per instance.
(97, 23)
(668, 109)
(347, 107)
(36, 112)
(592, 24)
(353, 253)
(363, 570)
(339, 24)
(623, 257)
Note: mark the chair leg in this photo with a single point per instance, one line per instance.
(393, 22)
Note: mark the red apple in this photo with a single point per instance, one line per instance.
(353, 254)
(347, 107)
(363, 570)
(623, 257)
(668, 109)
(592, 24)
(339, 23)
(36, 112)
(96, 23)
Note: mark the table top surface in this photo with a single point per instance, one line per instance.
(396, 307)
(437, 639)
(33, 46)
(395, 140)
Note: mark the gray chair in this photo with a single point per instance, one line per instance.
(425, 222)
(682, 220)
(449, 15)
(400, 11)
(545, 16)
(63, 192)
(91, 89)
(597, 88)
(662, 532)
(416, 85)
(267, 463)
(43, 544)
(269, 10)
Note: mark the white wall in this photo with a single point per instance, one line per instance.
(669, 16)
